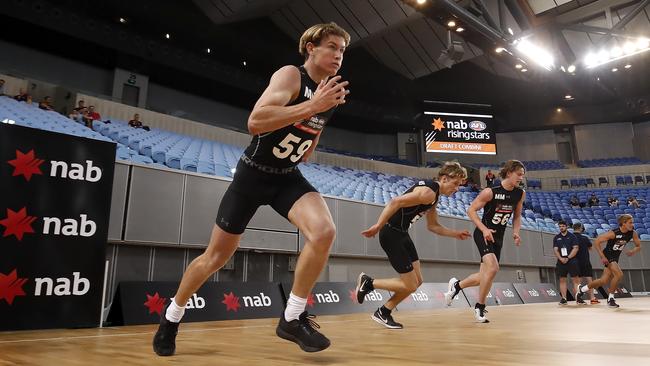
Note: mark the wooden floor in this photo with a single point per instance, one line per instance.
(541, 334)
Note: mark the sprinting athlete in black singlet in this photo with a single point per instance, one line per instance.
(500, 205)
(616, 240)
(286, 123)
(392, 226)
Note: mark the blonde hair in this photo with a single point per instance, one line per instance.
(316, 33)
(511, 166)
(624, 218)
(453, 170)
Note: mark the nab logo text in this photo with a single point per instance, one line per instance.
(64, 286)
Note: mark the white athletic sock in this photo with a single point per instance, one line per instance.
(295, 307)
(610, 297)
(584, 288)
(174, 312)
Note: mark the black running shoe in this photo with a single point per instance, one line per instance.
(579, 295)
(164, 342)
(563, 302)
(386, 320)
(479, 313)
(611, 303)
(302, 332)
(364, 285)
(580, 301)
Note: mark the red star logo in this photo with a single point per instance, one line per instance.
(438, 124)
(26, 164)
(353, 295)
(155, 303)
(11, 286)
(17, 223)
(231, 301)
(310, 300)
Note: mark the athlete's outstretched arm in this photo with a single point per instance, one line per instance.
(516, 220)
(420, 195)
(271, 111)
(479, 202)
(637, 245)
(598, 242)
(435, 227)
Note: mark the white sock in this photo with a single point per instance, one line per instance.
(295, 307)
(610, 297)
(584, 288)
(174, 312)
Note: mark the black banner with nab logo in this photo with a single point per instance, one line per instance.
(431, 296)
(328, 298)
(537, 292)
(54, 209)
(141, 302)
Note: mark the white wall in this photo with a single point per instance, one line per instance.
(641, 138)
(29, 63)
(605, 140)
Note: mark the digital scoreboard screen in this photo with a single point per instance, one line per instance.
(460, 133)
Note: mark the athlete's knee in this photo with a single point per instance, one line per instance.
(492, 268)
(324, 236)
(410, 286)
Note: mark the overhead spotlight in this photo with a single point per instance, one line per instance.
(568, 97)
(616, 51)
(420, 2)
(558, 110)
(614, 69)
(603, 56)
(167, 35)
(122, 20)
(571, 68)
(628, 66)
(499, 49)
(536, 53)
(243, 63)
(518, 66)
(562, 68)
(451, 24)
(629, 47)
(207, 50)
(524, 70)
(643, 43)
(510, 31)
(460, 29)
(591, 59)
(453, 53)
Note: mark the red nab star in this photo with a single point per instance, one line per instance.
(438, 124)
(26, 164)
(11, 286)
(17, 223)
(310, 300)
(231, 301)
(352, 294)
(155, 303)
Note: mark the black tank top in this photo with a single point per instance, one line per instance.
(501, 208)
(280, 151)
(619, 241)
(406, 216)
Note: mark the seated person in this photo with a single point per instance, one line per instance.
(22, 95)
(136, 123)
(612, 201)
(575, 203)
(46, 104)
(593, 200)
(632, 202)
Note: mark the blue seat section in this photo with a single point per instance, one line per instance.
(530, 165)
(597, 219)
(610, 162)
(389, 159)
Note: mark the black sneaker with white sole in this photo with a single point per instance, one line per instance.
(364, 286)
(611, 303)
(164, 342)
(563, 302)
(580, 301)
(386, 320)
(452, 290)
(302, 332)
(579, 296)
(479, 313)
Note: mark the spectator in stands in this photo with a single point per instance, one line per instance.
(46, 104)
(593, 200)
(575, 202)
(565, 246)
(612, 201)
(2, 87)
(80, 107)
(489, 178)
(136, 123)
(632, 202)
(22, 95)
(76, 116)
(29, 101)
(91, 116)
